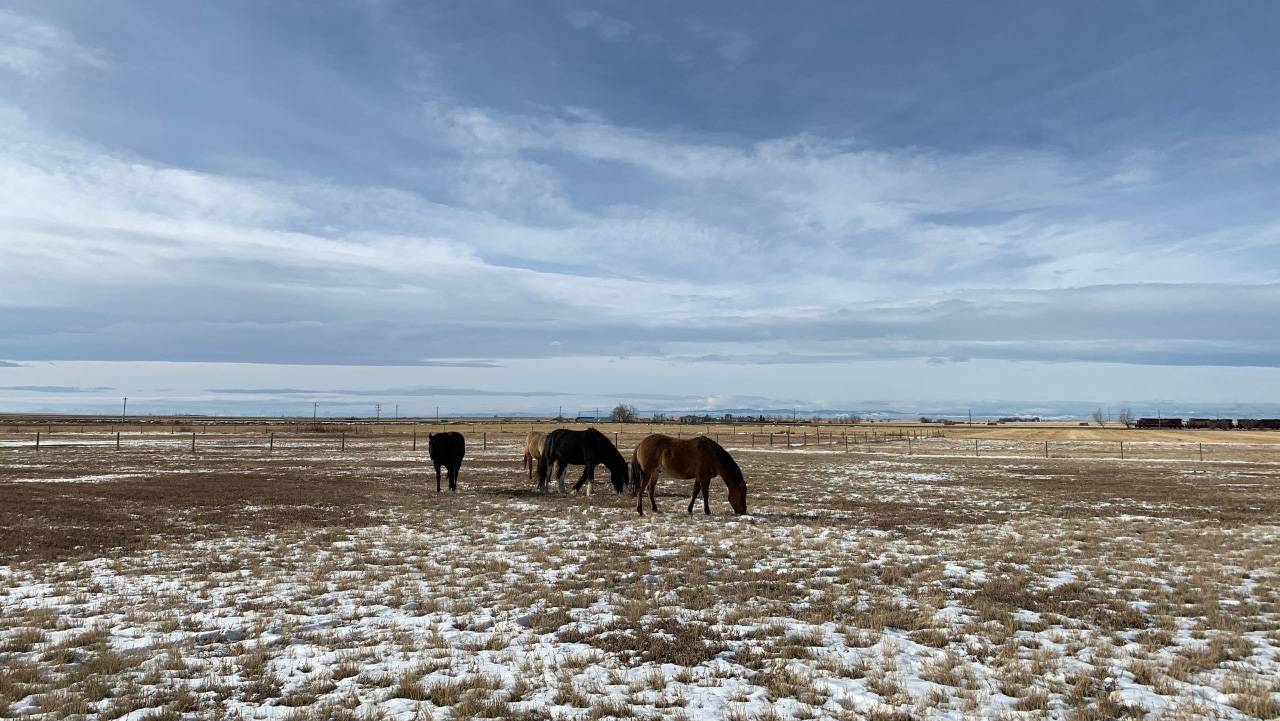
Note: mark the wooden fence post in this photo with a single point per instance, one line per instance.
(484, 440)
(117, 440)
(1046, 449)
(415, 439)
(1122, 450)
(1201, 450)
(193, 441)
(975, 446)
(37, 441)
(271, 446)
(343, 447)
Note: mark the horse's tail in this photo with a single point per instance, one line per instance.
(636, 474)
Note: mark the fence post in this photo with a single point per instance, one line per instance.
(343, 447)
(272, 445)
(117, 440)
(910, 450)
(193, 441)
(415, 440)
(846, 441)
(1046, 449)
(975, 446)
(484, 440)
(1122, 450)
(1201, 450)
(37, 441)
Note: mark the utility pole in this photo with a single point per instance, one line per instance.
(315, 408)
(377, 411)
(124, 408)
(397, 411)
(437, 414)
(970, 416)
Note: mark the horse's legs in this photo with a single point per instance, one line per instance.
(437, 478)
(649, 480)
(586, 475)
(453, 478)
(706, 492)
(653, 488)
(528, 463)
(640, 491)
(561, 467)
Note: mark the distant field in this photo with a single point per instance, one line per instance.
(313, 581)
(1066, 440)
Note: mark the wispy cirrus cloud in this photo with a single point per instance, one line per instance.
(36, 50)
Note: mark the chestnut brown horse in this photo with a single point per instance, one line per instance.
(699, 458)
(533, 450)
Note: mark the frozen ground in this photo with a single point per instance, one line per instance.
(313, 584)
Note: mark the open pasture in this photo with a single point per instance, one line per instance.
(318, 581)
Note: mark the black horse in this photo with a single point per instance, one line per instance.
(587, 448)
(446, 449)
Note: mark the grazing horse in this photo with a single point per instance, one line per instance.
(699, 458)
(533, 449)
(587, 448)
(446, 449)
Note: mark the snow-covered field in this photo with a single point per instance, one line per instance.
(314, 584)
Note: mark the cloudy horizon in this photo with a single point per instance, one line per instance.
(505, 207)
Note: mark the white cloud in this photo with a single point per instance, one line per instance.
(607, 28)
(36, 50)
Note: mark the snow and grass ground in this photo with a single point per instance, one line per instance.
(315, 584)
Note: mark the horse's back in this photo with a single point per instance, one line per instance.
(679, 457)
(448, 447)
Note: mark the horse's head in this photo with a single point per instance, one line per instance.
(619, 474)
(738, 498)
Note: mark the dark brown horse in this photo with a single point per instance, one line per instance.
(446, 449)
(533, 450)
(699, 458)
(589, 449)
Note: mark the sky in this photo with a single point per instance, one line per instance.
(512, 207)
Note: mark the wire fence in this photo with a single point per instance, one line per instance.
(412, 437)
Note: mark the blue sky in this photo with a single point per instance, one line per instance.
(512, 206)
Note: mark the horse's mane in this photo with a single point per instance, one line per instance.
(728, 466)
(606, 445)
